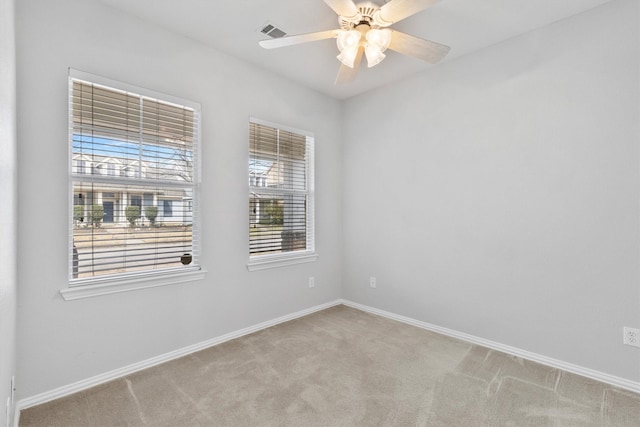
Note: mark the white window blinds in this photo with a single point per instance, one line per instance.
(280, 191)
(134, 181)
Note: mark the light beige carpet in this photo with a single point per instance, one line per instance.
(344, 367)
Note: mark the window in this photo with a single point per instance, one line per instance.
(167, 208)
(115, 236)
(136, 200)
(280, 195)
(81, 166)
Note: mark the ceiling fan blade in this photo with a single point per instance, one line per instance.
(416, 47)
(347, 74)
(397, 10)
(345, 8)
(302, 38)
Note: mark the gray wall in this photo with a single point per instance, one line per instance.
(8, 206)
(63, 342)
(498, 194)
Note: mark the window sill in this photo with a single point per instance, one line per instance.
(96, 287)
(272, 261)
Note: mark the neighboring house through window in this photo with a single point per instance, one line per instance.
(133, 152)
(281, 195)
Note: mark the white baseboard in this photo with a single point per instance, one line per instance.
(154, 361)
(544, 360)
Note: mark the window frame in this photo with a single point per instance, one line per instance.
(266, 261)
(109, 284)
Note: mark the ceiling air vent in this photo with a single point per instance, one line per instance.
(272, 31)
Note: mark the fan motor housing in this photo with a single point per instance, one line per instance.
(367, 10)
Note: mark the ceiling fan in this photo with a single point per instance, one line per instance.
(364, 30)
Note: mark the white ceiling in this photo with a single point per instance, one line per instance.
(232, 26)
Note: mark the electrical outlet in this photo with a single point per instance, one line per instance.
(372, 282)
(312, 282)
(631, 336)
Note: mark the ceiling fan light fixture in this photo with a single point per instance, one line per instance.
(364, 30)
(374, 55)
(379, 38)
(348, 55)
(348, 39)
